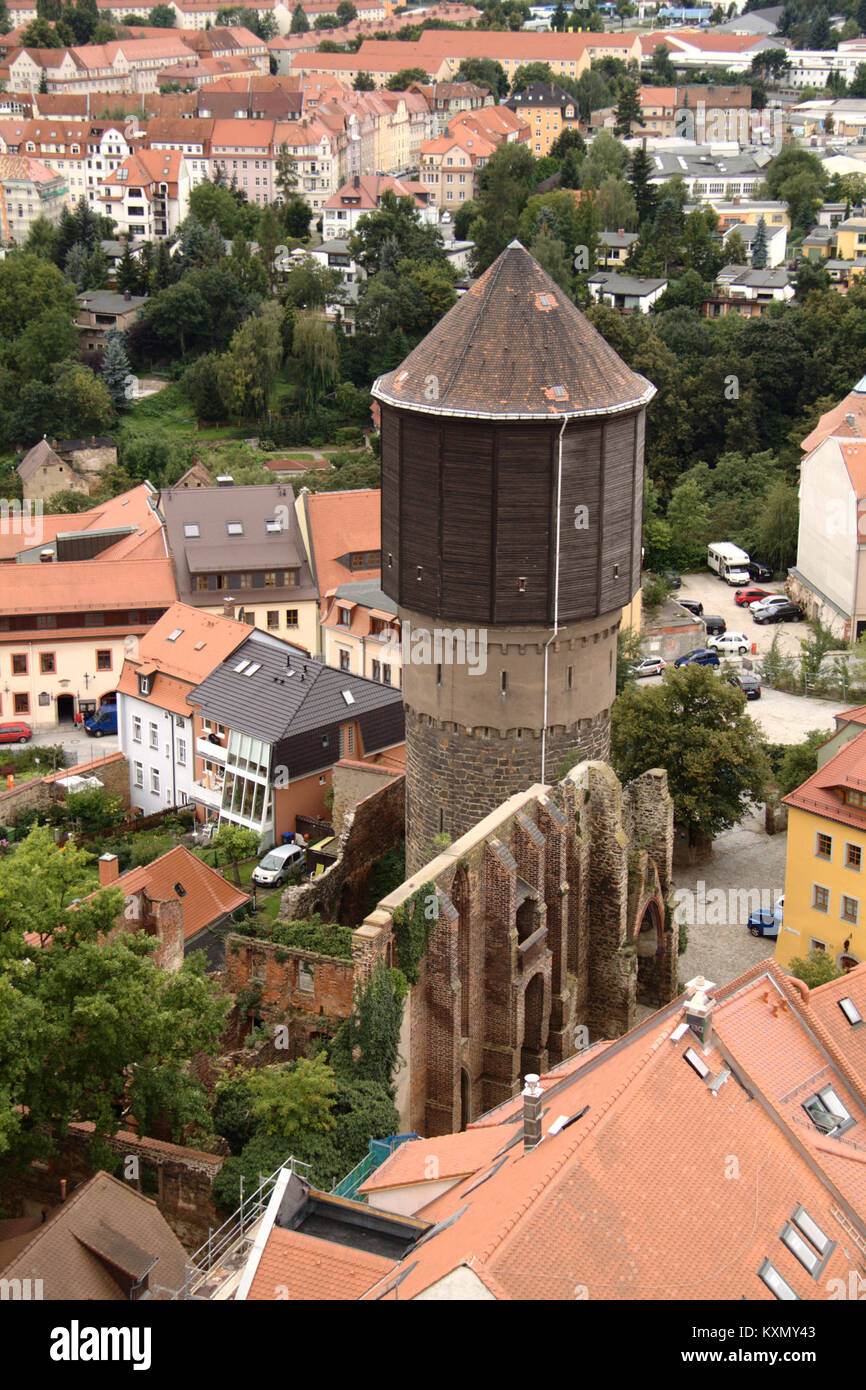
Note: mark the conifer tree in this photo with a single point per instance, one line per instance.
(115, 369)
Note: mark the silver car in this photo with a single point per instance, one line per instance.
(278, 864)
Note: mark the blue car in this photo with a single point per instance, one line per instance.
(768, 921)
(701, 656)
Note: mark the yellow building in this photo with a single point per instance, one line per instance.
(825, 890)
(851, 239)
(547, 110)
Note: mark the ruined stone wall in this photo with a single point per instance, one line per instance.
(552, 925)
(178, 1179)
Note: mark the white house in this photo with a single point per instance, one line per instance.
(631, 293)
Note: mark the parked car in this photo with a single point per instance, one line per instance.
(715, 625)
(674, 580)
(779, 613)
(737, 577)
(730, 642)
(278, 864)
(767, 921)
(15, 733)
(749, 684)
(701, 656)
(105, 722)
(693, 605)
(768, 601)
(650, 666)
(743, 598)
(759, 571)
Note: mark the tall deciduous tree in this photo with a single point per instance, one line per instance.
(696, 728)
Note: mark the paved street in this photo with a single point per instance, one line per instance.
(76, 742)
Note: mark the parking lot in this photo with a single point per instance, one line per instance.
(76, 742)
(718, 598)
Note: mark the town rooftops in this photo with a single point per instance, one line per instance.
(514, 346)
(104, 1241)
(541, 94)
(127, 526)
(187, 644)
(231, 530)
(79, 586)
(824, 792)
(846, 420)
(617, 240)
(637, 285)
(106, 301)
(274, 691)
(341, 525)
(367, 593)
(204, 895)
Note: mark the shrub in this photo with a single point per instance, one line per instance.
(326, 938)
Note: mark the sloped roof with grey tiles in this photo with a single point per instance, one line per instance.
(514, 346)
(287, 695)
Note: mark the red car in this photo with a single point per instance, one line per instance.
(743, 597)
(15, 733)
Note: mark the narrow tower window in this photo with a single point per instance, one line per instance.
(569, 678)
(503, 683)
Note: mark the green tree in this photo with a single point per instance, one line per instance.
(300, 24)
(689, 521)
(248, 371)
(162, 17)
(235, 843)
(668, 232)
(115, 369)
(367, 1044)
(296, 216)
(363, 82)
(639, 175)
(88, 1024)
(40, 34)
(735, 250)
(663, 71)
(28, 286)
(49, 337)
(628, 110)
(694, 726)
(208, 202)
(485, 72)
(617, 209)
(403, 79)
(759, 246)
(800, 761)
(818, 968)
(505, 184)
(93, 809)
(83, 405)
(392, 233)
(779, 527)
(285, 172)
(292, 1101)
(317, 353)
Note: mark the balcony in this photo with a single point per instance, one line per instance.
(205, 749)
(207, 795)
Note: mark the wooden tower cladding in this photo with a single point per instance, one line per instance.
(512, 471)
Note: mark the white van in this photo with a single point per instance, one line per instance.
(729, 562)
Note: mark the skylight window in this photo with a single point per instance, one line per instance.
(273, 528)
(827, 1112)
(199, 646)
(190, 529)
(559, 393)
(348, 697)
(776, 1284)
(173, 636)
(256, 666)
(241, 664)
(850, 1010)
(803, 1221)
(801, 1250)
(696, 1063)
(235, 528)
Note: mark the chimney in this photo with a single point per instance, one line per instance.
(107, 869)
(620, 231)
(699, 1009)
(532, 1096)
(225, 480)
(63, 1189)
(46, 556)
(228, 607)
(127, 295)
(356, 182)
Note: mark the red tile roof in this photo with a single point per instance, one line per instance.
(297, 1266)
(847, 768)
(208, 895)
(342, 523)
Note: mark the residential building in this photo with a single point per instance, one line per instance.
(776, 239)
(447, 99)
(708, 175)
(501, 1208)
(824, 902)
(28, 190)
(314, 149)
(191, 137)
(244, 151)
(364, 195)
(100, 311)
(851, 238)
(286, 718)
(750, 211)
(548, 110)
(747, 292)
(159, 733)
(614, 248)
(43, 472)
(105, 1242)
(179, 899)
(829, 578)
(819, 244)
(147, 195)
(77, 589)
(335, 255)
(240, 550)
(450, 166)
(630, 293)
(342, 533)
(361, 632)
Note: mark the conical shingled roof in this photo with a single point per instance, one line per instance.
(514, 346)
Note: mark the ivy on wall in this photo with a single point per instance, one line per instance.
(412, 921)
